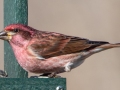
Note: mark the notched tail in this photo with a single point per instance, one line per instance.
(108, 46)
(104, 47)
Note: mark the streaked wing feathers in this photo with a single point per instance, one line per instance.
(61, 45)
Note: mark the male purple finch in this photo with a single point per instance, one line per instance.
(49, 52)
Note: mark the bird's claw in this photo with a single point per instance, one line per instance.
(53, 75)
(47, 75)
(3, 74)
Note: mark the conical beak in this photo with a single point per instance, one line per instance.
(4, 35)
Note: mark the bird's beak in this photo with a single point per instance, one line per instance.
(4, 35)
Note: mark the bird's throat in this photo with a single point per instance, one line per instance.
(16, 43)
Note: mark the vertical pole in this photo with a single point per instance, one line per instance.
(15, 11)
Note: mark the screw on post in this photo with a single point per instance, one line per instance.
(59, 88)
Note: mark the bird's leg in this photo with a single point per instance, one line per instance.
(47, 75)
(44, 75)
(50, 75)
(3, 74)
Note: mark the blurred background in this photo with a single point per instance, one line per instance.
(92, 19)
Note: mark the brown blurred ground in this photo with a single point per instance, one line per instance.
(93, 19)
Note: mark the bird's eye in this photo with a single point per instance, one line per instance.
(16, 30)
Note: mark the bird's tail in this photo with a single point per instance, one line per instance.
(104, 47)
(108, 46)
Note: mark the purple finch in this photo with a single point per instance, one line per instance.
(49, 52)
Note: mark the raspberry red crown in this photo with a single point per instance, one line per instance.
(19, 26)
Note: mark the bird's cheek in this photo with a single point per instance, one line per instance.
(9, 37)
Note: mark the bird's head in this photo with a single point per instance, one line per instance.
(17, 33)
(16, 30)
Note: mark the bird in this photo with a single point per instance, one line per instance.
(49, 53)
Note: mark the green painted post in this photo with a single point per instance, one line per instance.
(15, 11)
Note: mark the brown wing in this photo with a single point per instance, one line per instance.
(55, 45)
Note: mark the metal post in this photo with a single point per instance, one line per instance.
(15, 11)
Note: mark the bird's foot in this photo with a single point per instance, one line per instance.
(47, 75)
(3, 74)
(51, 75)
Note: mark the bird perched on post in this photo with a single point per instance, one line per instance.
(49, 53)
